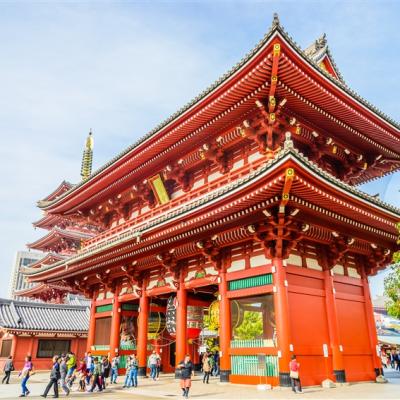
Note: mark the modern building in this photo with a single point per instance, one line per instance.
(241, 211)
(17, 280)
(41, 331)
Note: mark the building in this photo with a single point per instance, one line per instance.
(242, 205)
(17, 280)
(41, 330)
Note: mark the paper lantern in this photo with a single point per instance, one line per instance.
(156, 325)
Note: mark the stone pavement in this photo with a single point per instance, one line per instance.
(168, 388)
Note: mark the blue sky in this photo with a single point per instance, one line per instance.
(122, 67)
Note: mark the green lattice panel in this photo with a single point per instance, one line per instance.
(253, 281)
(104, 308)
(128, 347)
(248, 365)
(129, 307)
(101, 347)
(248, 343)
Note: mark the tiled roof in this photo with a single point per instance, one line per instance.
(276, 28)
(30, 316)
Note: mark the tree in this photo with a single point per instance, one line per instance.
(251, 326)
(392, 291)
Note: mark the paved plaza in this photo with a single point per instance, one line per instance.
(167, 388)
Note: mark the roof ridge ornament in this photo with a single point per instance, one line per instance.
(275, 21)
(321, 42)
(288, 143)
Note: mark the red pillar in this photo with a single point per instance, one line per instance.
(333, 327)
(225, 327)
(14, 347)
(281, 305)
(376, 360)
(115, 325)
(92, 325)
(143, 322)
(30, 349)
(75, 345)
(181, 322)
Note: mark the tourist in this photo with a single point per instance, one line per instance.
(25, 374)
(153, 360)
(8, 368)
(187, 370)
(206, 366)
(158, 367)
(132, 367)
(96, 375)
(80, 373)
(71, 364)
(134, 370)
(216, 364)
(294, 367)
(397, 361)
(54, 377)
(127, 382)
(393, 358)
(384, 359)
(105, 371)
(114, 368)
(89, 366)
(64, 374)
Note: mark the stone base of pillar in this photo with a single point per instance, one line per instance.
(141, 371)
(340, 375)
(284, 379)
(224, 375)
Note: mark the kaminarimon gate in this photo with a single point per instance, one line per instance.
(241, 209)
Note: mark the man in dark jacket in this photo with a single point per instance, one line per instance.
(8, 368)
(54, 377)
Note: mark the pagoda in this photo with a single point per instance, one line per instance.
(63, 239)
(242, 205)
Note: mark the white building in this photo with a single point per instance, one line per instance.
(17, 280)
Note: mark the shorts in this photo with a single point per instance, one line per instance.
(185, 383)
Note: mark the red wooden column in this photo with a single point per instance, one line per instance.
(333, 327)
(369, 313)
(14, 341)
(225, 327)
(143, 323)
(92, 325)
(30, 349)
(281, 304)
(115, 324)
(181, 321)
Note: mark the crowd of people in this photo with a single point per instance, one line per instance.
(94, 373)
(391, 358)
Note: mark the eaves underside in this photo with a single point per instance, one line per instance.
(369, 202)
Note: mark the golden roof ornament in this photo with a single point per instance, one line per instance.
(87, 158)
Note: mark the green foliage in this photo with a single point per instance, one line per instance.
(392, 291)
(251, 327)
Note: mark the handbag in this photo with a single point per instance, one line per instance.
(294, 374)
